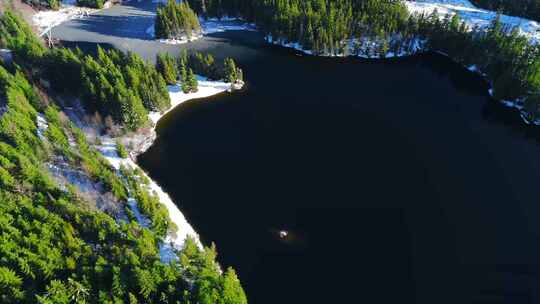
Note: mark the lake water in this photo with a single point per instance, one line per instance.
(400, 181)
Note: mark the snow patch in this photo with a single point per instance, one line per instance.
(108, 150)
(46, 20)
(206, 88)
(42, 125)
(181, 40)
(173, 242)
(151, 32)
(363, 48)
(475, 17)
(208, 26)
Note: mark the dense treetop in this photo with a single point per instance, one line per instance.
(176, 21)
(373, 28)
(57, 246)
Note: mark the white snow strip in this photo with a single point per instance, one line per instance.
(46, 20)
(214, 25)
(473, 16)
(208, 26)
(363, 48)
(108, 150)
(42, 126)
(175, 241)
(206, 88)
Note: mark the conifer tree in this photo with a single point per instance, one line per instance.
(176, 21)
(193, 84)
(184, 77)
(166, 65)
(230, 70)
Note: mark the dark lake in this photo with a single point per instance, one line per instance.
(400, 181)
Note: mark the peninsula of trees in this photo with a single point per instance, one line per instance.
(176, 21)
(183, 69)
(57, 245)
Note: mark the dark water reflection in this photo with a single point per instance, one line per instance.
(399, 180)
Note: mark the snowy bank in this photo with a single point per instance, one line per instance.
(474, 17)
(107, 148)
(46, 20)
(208, 26)
(185, 230)
(363, 48)
(206, 88)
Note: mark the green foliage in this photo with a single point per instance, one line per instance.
(17, 36)
(122, 152)
(176, 21)
(55, 248)
(232, 73)
(114, 84)
(167, 67)
(319, 25)
(47, 4)
(510, 62)
(91, 3)
(191, 81)
(508, 59)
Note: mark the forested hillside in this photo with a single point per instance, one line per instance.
(372, 28)
(122, 88)
(57, 244)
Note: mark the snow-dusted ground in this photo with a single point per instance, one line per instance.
(108, 150)
(42, 126)
(46, 20)
(473, 16)
(151, 32)
(364, 48)
(185, 230)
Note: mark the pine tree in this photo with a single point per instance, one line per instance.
(192, 82)
(176, 21)
(184, 78)
(230, 70)
(166, 65)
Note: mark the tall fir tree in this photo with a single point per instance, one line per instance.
(184, 77)
(166, 65)
(192, 81)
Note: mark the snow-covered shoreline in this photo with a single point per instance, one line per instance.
(208, 26)
(473, 17)
(48, 19)
(108, 150)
